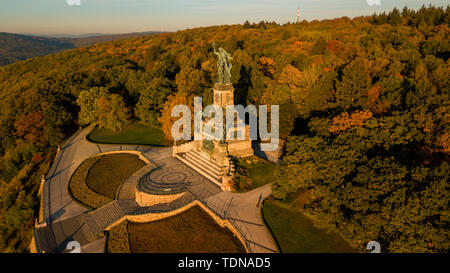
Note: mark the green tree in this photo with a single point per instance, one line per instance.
(152, 100)
(106, 110)
(351, 90)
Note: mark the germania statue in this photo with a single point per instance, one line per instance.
(223, 65)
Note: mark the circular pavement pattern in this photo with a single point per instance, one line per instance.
(177, 168)
(171, 176)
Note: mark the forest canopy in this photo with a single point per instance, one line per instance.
(364, 106)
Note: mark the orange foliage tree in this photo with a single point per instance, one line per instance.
(344, 121)
(166, 120)
(267, 66)
(30, 128)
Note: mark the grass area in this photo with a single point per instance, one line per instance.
(295, 233)
(118, 239)
(107, 174)
(80, 191)
(192, 231)
(253, 172)
(137, 133)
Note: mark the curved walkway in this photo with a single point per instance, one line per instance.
(66, 220)
(58, 204)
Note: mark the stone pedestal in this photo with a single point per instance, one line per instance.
(223, 94)
(217, 152)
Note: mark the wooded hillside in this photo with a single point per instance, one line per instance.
(364, 107)
(17, 47)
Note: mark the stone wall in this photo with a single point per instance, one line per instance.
(273, 156)
(139, 154)
(183, 148)
(147, 200)
(32, 247)
(242, 148)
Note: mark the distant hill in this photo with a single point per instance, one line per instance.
(85, 35)
(18, 47)
(85, 41)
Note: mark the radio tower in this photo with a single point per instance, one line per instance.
(298, 15)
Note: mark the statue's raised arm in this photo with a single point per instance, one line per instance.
(223, 65)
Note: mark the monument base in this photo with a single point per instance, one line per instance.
(213, 158)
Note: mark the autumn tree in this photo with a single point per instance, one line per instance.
(166, 120)
(30, 128)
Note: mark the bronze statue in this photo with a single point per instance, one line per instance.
(223, 65)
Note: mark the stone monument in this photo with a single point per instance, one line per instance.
(223, 96)
(213, 158)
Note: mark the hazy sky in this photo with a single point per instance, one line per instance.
(120, 16)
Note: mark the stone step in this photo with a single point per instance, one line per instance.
(128, 205)
(151, 184)
(206, 165)
(199, 169)
(205, 159)
(127, 190)
(46, 238)
(203, 166)
(90, 229)
(106, 215)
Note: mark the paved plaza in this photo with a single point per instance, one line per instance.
(67, 220)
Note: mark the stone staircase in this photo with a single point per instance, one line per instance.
(100, 219)
(128, 205)
(127, 191)
(202, 165)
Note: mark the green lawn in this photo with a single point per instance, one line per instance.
(108, 173)
(295, 233)
(137, 133)
(254, 172)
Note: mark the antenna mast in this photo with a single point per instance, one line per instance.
(298, 15)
